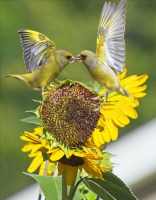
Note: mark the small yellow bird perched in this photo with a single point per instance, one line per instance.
(108, 62)
(42, 62)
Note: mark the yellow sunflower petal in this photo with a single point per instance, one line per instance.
(97, 155)
(71, 173)
(95, 138)
(115, 98)
(118, 122)
(36, 147)
(128, 80)
(124, 100)
(45, 143)
(129, 111)
(53, 149)
(106, 135)
(92, 169)
(42, 167)
(36, 162)
(123, 74)
(34, 138)
(100, 138)
(56, 155)
(134, 90)
(28, 147)
(140, 95)
(111, 114)
(23, 137)
(50, 172)
(138, 81)
(123, 118)
(113, 129)
(80, 168)
(79, 154)
(34, 154)
(61, 168)
(70, 153)
(38, 130)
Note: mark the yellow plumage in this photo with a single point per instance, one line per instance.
(108, 62)
(42, 62)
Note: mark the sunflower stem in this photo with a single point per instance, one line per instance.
(72, 194)
(64, 187)
(71, 189)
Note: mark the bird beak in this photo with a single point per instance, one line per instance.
(78, 58)
(72, 60)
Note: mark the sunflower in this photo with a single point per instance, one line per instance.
(69, 113)
(118, 109)
(73, 128)
(35, 142)
(70, 161)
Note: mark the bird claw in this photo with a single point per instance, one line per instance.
(98, 109)
(97, 98)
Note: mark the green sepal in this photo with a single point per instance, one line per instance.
(105, 161)
(32, 120)
(70, 83)
(36, 111)
(53, 144)
(38, 101)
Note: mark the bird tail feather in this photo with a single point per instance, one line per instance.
(128, 95)
(19, 77)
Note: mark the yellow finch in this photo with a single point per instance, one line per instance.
(42, 62)
(108, 61)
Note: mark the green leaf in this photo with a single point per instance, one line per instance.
(112, 188)
(86, 193)
(32, 120)
(51, 186)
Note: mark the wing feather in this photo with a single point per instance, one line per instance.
(110, 42)
(35, 46)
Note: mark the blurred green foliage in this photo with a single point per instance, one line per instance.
(72, 25)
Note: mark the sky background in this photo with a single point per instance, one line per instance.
(72, 25)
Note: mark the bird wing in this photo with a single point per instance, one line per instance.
(35, 46)
(110, 40)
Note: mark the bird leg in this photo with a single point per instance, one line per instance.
(98, 97)
(106, 96)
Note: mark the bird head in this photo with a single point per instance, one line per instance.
(63, 58)
(88, 58)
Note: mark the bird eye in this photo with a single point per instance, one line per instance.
(83, 57)
(68, 57)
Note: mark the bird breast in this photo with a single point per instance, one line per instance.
(103, 74)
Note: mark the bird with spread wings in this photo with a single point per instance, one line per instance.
(108, 62)
(42, 62)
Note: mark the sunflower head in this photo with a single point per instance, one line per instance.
(69, 113)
